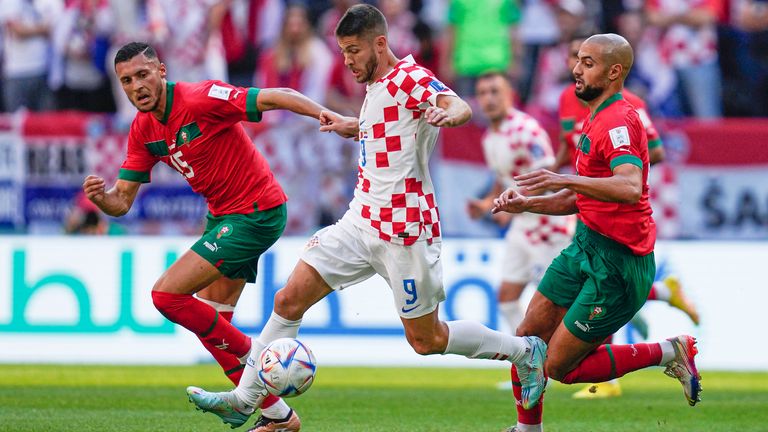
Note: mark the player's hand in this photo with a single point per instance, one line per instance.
(346, 127)
(437, 117)
(510, 201)
(542, 180)
(477, 208)
(93, 187)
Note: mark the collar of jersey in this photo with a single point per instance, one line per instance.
(391, 74)
(168, 101)
(602, 106)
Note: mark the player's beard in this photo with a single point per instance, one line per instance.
(370, 68)
(589, 93)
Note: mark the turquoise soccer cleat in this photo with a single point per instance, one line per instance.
(531, 373)
(219, 404)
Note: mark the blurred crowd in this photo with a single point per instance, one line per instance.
(694, 58)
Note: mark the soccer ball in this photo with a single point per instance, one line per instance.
(287, 367)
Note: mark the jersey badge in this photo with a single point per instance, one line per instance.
(224, 231)
(619, 136)
(438, 86)
(219, 92)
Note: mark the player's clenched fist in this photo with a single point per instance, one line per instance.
(93, 187)
(437, 116)
(510, 201)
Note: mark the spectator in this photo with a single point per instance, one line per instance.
(81, 41)
(552, 75)
(327, 22)
(651, 77)
(27, 25)
(689, 44)
(248, 28)
(480, 38)
(193, 47)
(744, 48)
(538, 30)
(299, 60)
(400, 24)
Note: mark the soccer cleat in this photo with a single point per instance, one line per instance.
(678, 299)
(219, 404)
(292, 423)
(683, 367)
(531, 373)
(602, 390)
(512, 429)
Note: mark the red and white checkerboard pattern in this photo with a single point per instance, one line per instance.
(664, 195)
(682, 45)
(394, 196)
(518, 146)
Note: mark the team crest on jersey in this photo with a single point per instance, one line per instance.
(184, 137)
(438, 86)
(596, 312)
(224, 231)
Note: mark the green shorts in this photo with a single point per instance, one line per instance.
(601, 282)
(233, 243)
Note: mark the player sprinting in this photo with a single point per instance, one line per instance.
(573, 112)
(601, 280)
(195, 128)
(514, 144)
(392, 227)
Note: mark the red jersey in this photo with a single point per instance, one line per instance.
(614, 136)
(202, 138)
(574, 111)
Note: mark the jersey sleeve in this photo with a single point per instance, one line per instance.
(416, 88)
(621, 141)
(219, 102)
(138, 163)
(567, 119)
(540, 149)
(654, 139)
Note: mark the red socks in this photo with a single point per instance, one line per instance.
(613, 361)
(202, 320)
(532, 416)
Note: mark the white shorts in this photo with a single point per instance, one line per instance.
(525, 261)
(345, 254)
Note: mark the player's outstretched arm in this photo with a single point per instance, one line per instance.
(287, 99)
(347, 127)
(624, 186)
(512, 201)
(451, 111)
(114, 202)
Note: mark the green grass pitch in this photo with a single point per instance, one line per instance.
(122, 398)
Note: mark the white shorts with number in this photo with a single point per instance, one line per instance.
(345, 254)
(525, 261)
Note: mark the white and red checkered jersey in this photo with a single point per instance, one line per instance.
(683, 45)
(520, 145)
(394, 196)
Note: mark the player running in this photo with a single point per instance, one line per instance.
(573, 113)
(195, 128)
(515, 144)
(392, 227)
(602, 279)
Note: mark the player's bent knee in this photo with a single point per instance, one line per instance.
(426, 345)
(289, 306)
(556, 371)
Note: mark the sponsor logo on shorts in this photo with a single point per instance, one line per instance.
(211, 247)
(224, 231)
(583, 327)
(596, 312)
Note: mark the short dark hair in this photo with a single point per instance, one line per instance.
(132, 49)
(362, 20)
(494, 74)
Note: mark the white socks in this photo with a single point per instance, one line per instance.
(278, 411)
(250, 390)
(667, 352)
(530, 428)
(513, 312)
(474, 340)
(662, 291)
